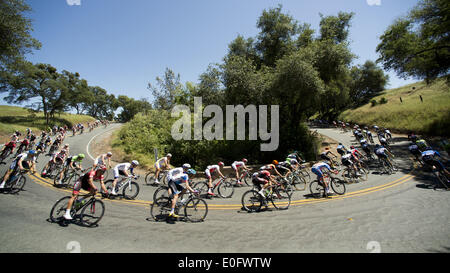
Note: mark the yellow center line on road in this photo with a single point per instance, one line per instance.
(42, 181)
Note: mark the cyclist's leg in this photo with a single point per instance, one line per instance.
(158, 170)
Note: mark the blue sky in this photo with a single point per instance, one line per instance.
(123, 45)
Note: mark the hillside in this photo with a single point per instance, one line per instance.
(405, 111)
(17, 118)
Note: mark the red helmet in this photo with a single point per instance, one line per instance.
(102, 168)
(221, 164)
(244, 160)
(265, 173)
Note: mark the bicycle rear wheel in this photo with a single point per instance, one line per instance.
(92, 212)
(196, 210)
(131, 190)
(162, 191)
(59, 209)
(349, 176)
(316, 189)
(226, 189)
(252, 201)
(160, 209)
(247, 179)
(150, 178)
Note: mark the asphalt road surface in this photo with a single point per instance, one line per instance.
(388, 214)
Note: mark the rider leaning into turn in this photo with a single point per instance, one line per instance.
(176, 180)
(210, 170)
(162, 163)
(23, 161)
(124, 169)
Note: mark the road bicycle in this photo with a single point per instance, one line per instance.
(16, 181)
(245, 178)
(386, 166)
(317, 188)
(195, 208)
(129, 188)
(91, 210)
(53, 170)
(350, 175)
(223, 185)
(277, 194)
(69, 178)
(162, 178)
(7, 151)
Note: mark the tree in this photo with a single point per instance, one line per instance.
(418, 45)
(368, 81)
(168, 92)
(131, 107)
(276, 35)
(40, 81)
(103, 105)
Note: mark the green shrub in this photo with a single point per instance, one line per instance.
(383, 100)
(373, 103)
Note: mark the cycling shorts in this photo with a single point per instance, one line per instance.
(176, 188)
(118, 173)
(82, 183)
(15, 164)
(434, 162)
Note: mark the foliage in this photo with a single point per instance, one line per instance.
(418, 45)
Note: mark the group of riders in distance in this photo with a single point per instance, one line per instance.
(280, 175)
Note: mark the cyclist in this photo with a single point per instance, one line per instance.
(324, 156)
(414, 150)
(347, 162)
(102, 159)
(237, 165)
(356, 155)
(383, 153)
(271, 167)
(175, 185)
(85, 182)
(211, 169)
(124, 169)
(387, 133)
(12, 143)
(162, 163)
(71, 163)
(429, 156)
(23, 161)
(365, 146)
(341, 149)
(318, 169)
(57, 158)
(262, 178)
(422, 144)
(296, 155)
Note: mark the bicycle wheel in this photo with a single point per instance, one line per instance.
(162, 191)
(196, 210)
(160, 209)
(281, 198)
(316, 189)
(348, 176)
(252, 201)
(18, 184)
(247, 179)
(306, 176)
(59, 209)
(131, 190)
(92, 212)
(226, 189)
(108, 186)
(337, 186)
(150, 178)
(299, 183)
(202, 188)
(363, 174)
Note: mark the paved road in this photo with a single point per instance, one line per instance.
(396, 213)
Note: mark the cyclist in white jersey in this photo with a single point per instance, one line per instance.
(238, 165)
(124, 169)
(210, 170)
(102, 159)
(162, 163)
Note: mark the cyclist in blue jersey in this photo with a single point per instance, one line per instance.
(175, 185)
(318, 169)
(429, 156)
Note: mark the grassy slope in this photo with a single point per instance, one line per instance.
(17, 118)
(430, 117)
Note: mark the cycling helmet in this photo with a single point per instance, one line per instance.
(275, 162)
(135, 162)
(102, 168)
(66, 145)
(81, 156)
(109, 154)
(169, 155)
(186, 166)
(265, 173)
(244, 160)
(31, 152)
(220, 164)
(352, 147)
(191, 171)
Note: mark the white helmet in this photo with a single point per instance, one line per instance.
(135, 162)
(186, 166)
(169, 155)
